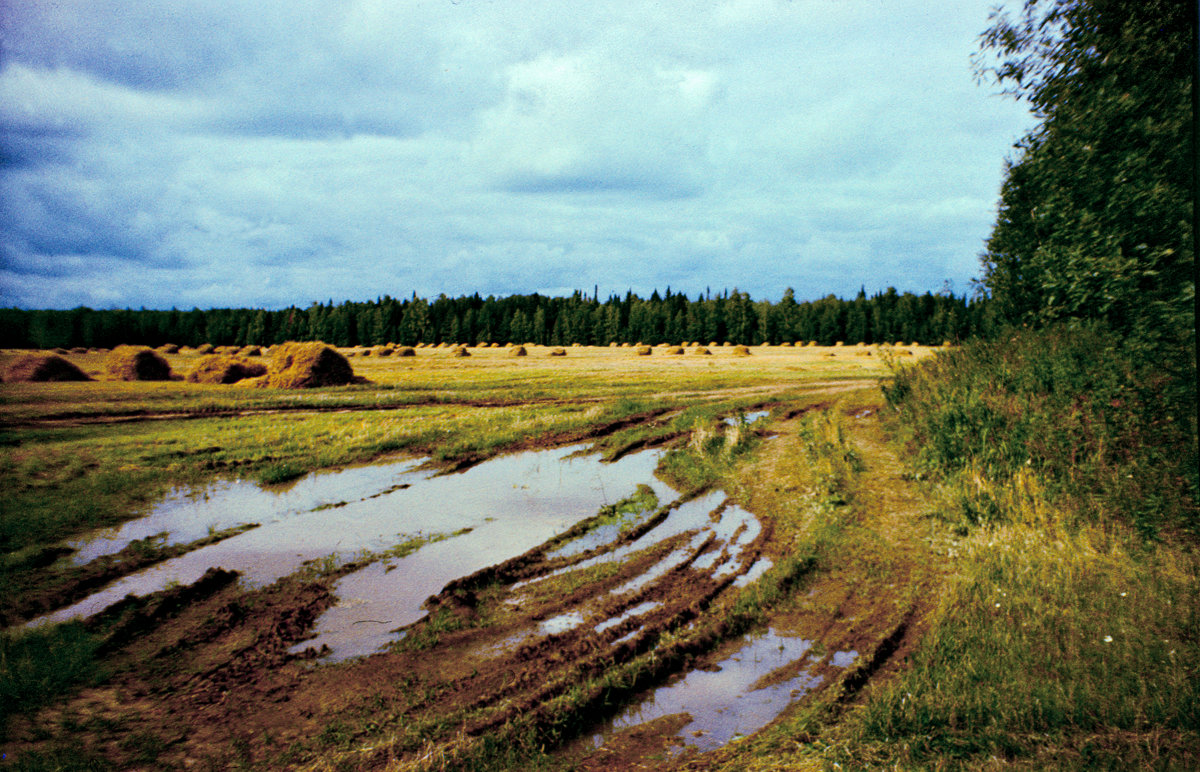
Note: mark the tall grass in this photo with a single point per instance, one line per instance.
(1114, 437)
(1067, 637)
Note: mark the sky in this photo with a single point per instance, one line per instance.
(267, 153)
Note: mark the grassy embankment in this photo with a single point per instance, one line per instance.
(1068, 635)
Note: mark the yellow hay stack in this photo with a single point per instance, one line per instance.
(306, 366)
(674, 350)
(406, 351)
(136, 363)
(383, 351)
(251, 351)
(166, 348)
(460, 351)
(518, 351)
(740, 351)
(557, 352)
(204, 348)
(217, 368)
(43, 368)
(703, 351)
(642, 351)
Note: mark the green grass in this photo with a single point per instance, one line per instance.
(39, 664)
(1068, 636)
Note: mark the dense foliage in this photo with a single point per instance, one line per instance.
(1096, 213)
(1066, 404)
(671, 318)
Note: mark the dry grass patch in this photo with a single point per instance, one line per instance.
(307, 365)
(136, 363)
(43, 368)
(217, 368)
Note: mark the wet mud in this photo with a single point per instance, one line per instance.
(623, 635)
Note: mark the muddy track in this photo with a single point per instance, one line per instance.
(532, 650)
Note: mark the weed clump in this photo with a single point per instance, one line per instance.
(307, 365)
(136, 363)
(43, 368)
(217, 368)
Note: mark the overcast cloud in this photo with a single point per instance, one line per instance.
(188, 153)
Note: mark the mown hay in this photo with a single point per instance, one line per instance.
(168, 348)
(740, 351)
(306, 366)
(43, 368)
(251, 351)
(220, 368)
(674, 350)
(79, 350)
(204, 348)
(136, 363)
(460, 351)
(643, 351)
(406, 351)
(557, 352)
(518, 351)
(383, 351)
(702, 350)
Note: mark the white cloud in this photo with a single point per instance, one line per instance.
(280, 152)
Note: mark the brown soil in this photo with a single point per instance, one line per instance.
(203, 674)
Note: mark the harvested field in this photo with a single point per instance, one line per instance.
(287, 625)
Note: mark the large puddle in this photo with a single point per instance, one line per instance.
(498, 509)
(737, 697)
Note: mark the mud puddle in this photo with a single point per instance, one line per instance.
(498, 509)
(733, 698)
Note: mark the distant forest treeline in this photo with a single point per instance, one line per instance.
(669, 318)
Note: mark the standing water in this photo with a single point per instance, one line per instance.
(510, 504)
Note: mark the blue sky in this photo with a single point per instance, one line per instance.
(186, 153)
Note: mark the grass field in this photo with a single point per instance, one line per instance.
(1029, 641)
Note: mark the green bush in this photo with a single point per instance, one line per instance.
(1071, 403)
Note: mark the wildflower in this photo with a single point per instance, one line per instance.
(1108, 639)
